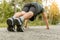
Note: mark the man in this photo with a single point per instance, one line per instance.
(29, 12)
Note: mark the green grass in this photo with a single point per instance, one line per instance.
(36, 23)
(3, 25)
(30, 23)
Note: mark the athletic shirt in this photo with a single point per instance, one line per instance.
(39, 7)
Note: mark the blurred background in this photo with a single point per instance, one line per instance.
(9, 7)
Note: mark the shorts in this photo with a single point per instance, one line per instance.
(29, 7)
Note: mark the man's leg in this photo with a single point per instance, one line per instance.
(19, 21)
(28, 15)
(10, 21)
(18, 14)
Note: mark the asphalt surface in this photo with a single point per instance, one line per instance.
(32, 33)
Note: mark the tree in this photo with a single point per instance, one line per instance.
(13, 3)
(54, 13)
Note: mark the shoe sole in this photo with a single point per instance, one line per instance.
(17, 22)
(10, 29)
(9, 22)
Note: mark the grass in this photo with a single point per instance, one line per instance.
(33, 23)
(3, 25)
(36, 23)
(30, 23)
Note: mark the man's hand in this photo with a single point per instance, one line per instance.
(47, 27)
(25, 24)
(45, 19)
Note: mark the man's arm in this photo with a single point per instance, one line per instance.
(25, 23)
(45, 19)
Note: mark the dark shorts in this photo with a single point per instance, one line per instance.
(29, 7)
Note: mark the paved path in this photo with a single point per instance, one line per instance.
(32, 33)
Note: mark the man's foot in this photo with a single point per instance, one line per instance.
(10, 24)
(19, 25)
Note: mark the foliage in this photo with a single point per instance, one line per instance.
(54, 13)
(6, 11)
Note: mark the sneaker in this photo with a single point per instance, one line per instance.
(10, 24)
(19, 25)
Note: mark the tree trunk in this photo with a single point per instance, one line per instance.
(15, 10)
